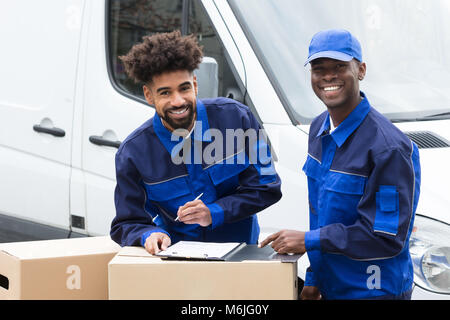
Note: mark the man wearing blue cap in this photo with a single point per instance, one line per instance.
(363, 184)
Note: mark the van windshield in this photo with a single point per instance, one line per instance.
(405, 43)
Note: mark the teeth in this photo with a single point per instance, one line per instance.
(179, 112)
(331, 88)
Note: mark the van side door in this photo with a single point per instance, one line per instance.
(114, 105)
(38, 67)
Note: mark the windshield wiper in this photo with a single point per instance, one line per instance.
(395, 120)
(438, 116)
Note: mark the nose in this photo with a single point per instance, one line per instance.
(177, 100)
(329, 74)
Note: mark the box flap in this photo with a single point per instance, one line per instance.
(60, 247)
(135, 252)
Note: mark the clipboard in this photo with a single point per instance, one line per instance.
(228, 251)
(197, 250)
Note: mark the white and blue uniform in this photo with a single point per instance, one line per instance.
(363, 184)
(151, 186)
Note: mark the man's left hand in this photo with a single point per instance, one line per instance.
(195, 212)
(286, 241)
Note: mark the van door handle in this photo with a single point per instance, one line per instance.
(100, 141)
(57, 132)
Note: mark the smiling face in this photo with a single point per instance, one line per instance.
(336, 82)
(174, 95)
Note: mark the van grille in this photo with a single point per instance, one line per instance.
(426, 140)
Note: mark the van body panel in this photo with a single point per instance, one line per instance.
(108, 114)
(38, 78)
(434, 200)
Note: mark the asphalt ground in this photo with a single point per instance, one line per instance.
(13, 230)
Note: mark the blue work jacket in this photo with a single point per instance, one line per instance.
(152, 182)
(363, 185)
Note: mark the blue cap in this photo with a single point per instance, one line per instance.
(335, 44)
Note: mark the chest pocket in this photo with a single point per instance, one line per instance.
(225, 174)
(169, 189)
(312, 170)
(342, 193)
(167, 196)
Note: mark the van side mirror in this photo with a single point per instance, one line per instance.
(207, 78)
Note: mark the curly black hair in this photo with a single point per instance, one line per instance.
(162, 52)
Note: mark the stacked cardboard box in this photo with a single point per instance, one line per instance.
(135, 274)
(56, 269)
(97, 268)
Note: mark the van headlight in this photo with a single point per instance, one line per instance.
(430, 252)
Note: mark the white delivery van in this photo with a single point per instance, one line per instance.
(66, 104)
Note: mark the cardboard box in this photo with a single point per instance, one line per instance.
(135, 274)
(56, 269)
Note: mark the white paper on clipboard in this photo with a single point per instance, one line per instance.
(199, 250)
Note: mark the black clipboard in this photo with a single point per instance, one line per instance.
(240, 252)
(200, 251)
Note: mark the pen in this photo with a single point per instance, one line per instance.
(198, 197)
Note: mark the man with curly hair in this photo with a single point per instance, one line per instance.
(155, 194)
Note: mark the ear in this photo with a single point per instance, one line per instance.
(361, 71)
(148, 94)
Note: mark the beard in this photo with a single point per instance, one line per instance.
(183, 123)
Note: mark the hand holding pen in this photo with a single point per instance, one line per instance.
(198, 197)
(193, 212)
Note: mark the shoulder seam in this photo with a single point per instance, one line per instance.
(135, 136)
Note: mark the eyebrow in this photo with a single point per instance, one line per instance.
(162, 89)
(316, 63)
(168, 88)
(185, 83)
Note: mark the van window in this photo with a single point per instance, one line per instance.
(130, 20)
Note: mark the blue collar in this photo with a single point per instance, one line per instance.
(201, 129)
(349, 125)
